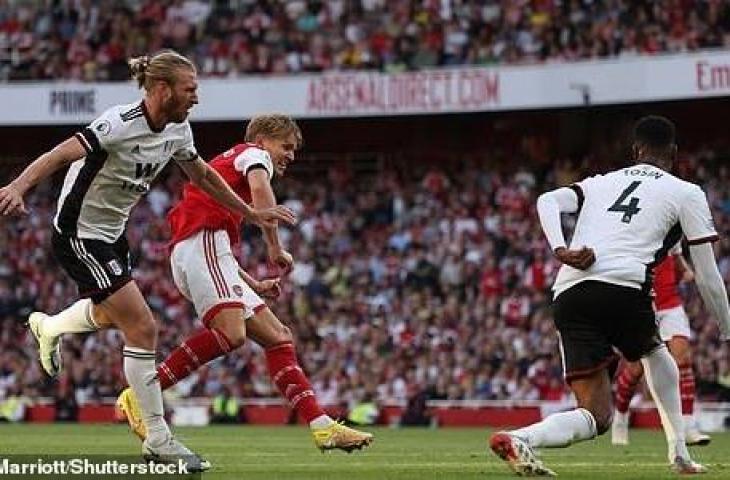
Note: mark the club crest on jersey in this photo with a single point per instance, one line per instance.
(238, 290)
(103, 128)
(114, 267)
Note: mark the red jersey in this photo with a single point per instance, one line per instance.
(491, 283)
(199, 211)
(666, 293)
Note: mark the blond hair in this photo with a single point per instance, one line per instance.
(273, 125)
(162, 66)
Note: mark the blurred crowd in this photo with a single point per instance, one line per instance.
(409, 280)
(90, 40)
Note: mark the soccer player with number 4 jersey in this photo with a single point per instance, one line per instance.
(627, 221)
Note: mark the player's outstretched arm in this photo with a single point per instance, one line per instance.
(11, 196)
(210, 181)
(711, 286)
(263, 197)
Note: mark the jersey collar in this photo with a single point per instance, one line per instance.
(149, 120)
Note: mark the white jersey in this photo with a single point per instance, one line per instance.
(124, 155)
(631, 218)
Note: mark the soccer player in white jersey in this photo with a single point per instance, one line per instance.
(627, 221)
(112, 163)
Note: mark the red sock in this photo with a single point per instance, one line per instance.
(626, 384)
(687, 388)
(194, 352)
(289, 378)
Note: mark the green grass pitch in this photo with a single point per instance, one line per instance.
(244, 452)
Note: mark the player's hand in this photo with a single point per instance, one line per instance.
(282, 259)
(581, 259)
(269, 288)
(11, 201)
(268, 217)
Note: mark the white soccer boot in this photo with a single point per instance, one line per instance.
(172, 451)
(692, 434)
(518, 455)
(49, 348)
(686, 466)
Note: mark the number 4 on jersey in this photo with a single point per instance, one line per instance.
(629, 209)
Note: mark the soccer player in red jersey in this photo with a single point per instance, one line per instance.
(225, 297)
(674, 330)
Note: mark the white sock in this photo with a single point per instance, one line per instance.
(689, 422)
(662, 376)
(75, 319)
(560, 429)
(139, 368)
(323, 421)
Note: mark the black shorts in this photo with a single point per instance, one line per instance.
(98, 268)
(593, 317)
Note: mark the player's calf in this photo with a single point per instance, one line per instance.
(197, 350)
(267, 330)
(593, 393)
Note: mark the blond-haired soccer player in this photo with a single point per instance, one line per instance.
(112, 163)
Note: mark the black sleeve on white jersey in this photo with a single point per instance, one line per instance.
(185, 155)
(254, 157)
(579, 192)
(88, 139)
(186, 151)
(707, 239)
(257, 166)
(103, 133)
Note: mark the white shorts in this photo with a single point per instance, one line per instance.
(206, 273)
(673, 322)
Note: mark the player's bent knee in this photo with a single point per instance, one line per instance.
(231, 323)
(148, 331)
(141, 332)
(594, 394)
(236, 337)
